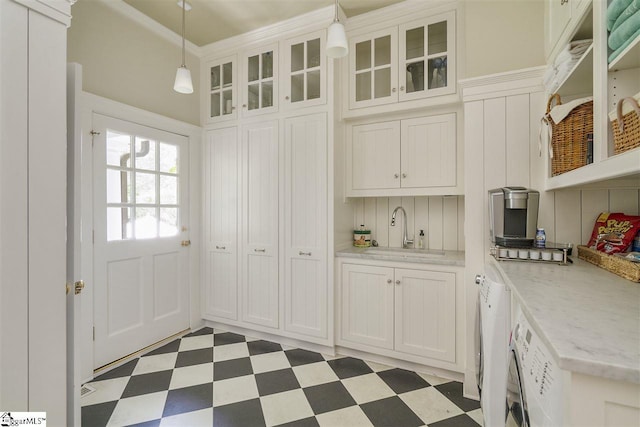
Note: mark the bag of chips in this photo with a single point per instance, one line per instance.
(614, 232)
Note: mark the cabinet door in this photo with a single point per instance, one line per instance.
(427, 57)
(221, 216)
(428, 147)
(425, 313)
(221, 81)
(260, 149)
(305, 71)
(367, 305)
(306, 225)
(559, 15)
(373, 69)
(374, 156)
(259, 81)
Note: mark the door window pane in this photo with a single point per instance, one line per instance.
(363, 55)
(363, 86)
(168, 158)
(118, 186)
(383, 51)
(313, 84)
(146, 226)
(168, 222)
(119, 224)
(383, 83)
(118, 149)
(145, 188)
(168, 190)
(437, 36)
(145, 154)
(415, 43)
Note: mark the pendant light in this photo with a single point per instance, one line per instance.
(183, 75)
(337, 45)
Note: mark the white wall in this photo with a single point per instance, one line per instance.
(125, 62)
(502, 35)
(441, 218)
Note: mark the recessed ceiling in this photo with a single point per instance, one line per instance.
(212, 20)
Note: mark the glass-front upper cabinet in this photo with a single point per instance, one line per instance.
(305, 67)
(222, 85)
(427, 63)
(260, 81)
(373, 63)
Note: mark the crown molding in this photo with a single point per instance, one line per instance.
(59, 10)
(526, 80)
(392, 14)
(144, 21)
(308, 22)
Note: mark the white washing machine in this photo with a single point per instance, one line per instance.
(492, 345)
(534, 383)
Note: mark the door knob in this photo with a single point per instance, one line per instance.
(79, 286)
(185, 243)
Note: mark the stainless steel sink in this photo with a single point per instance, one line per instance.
(405, 253)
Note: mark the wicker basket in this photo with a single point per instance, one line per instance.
(622, 267)
(626, 126)
(569, 137)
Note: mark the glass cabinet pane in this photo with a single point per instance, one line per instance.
(227, 99)
(297, 87)
(215, 77)
(313, 53)
(227, 74)
(297, 57)
(437, 37)
(313, 84)
(382, 51)
(267, 65)
(363, 86)
(253, 68)
(383, 82)
(267, 94)
(253, 96)
(437, 72)
(363, 55)
(415, 43)
(415, 76)
(215, 104)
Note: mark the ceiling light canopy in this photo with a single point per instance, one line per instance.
(337, 44)
(183, 82)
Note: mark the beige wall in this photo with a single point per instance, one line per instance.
(127, 63)
(502, 35)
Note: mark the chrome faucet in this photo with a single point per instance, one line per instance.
(405, 238)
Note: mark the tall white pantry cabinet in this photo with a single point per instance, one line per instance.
(267, 185)
(33, 38)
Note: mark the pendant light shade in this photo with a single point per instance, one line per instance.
(183, 75)
(337, 45)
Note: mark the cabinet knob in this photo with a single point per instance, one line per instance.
(389, 280)
(404, 175)
(401, 88)
(393, 89)
(395, 175)
(244, 105)
(286, 97)
(233, 108)
(563, 2)
(397, 282)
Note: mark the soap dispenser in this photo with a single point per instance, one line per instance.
(421, 240)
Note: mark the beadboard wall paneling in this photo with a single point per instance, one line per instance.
(441, 218)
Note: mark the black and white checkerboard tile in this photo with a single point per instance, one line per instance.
(259, 383)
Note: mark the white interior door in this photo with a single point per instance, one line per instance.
(140, 237)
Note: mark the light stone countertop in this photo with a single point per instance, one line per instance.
(588, 317)
(452, 258)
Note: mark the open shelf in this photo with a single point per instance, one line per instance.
(629, 58)
(579, 81)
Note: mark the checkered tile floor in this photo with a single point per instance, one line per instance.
(251, 383)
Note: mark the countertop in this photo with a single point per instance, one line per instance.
(452, 258)
(588, 317)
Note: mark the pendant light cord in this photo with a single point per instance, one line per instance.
(183, 12)
(335, 19)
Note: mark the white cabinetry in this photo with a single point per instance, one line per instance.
(260, 80)
(305, 225)
(260, 188)
(414, 60)
(399, 312)
(221, 243)
(220, 79)
(562, 18)
(405, 157)
(305, 76)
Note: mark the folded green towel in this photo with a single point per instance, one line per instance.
(619, 50)
(626, 14)
(625, 31)
(614, 10)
